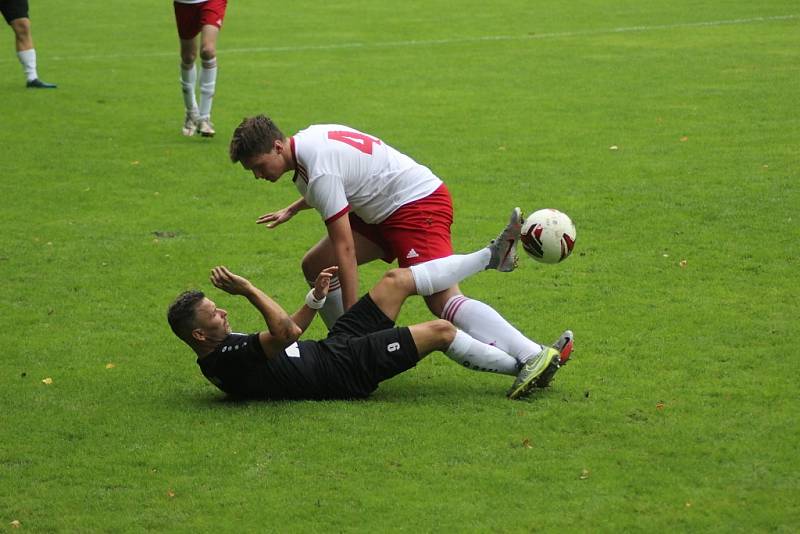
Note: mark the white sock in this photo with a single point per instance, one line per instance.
(188, 80)
(208, 84)
(478, 356)
(28, 60)
(484, 324)
(333, 307)
(437, 275)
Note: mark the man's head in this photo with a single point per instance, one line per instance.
(261, 147)
(197, 321)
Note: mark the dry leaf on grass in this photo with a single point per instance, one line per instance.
(47, 381)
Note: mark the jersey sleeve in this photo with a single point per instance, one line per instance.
(326, 193)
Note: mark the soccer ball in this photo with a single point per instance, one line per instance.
(548, 236)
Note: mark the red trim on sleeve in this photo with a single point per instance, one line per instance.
(337, 215)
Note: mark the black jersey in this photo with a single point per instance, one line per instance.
(239, 367)
(362, 350)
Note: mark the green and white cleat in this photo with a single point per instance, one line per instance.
(533, 369)
(564, 346)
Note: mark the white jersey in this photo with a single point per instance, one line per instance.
(339, 169)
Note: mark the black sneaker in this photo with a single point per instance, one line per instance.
(36, 83)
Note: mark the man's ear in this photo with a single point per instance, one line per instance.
(198, 334)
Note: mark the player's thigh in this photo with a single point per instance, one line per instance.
(208, 41)
(392, 290)
(387, 353)
(432, 335)
(323, 254)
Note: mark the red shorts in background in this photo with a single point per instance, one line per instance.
(415, 233)
(192, 17)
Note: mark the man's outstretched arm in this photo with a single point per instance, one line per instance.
(282, 330)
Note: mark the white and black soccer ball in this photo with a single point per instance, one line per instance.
(548, 236)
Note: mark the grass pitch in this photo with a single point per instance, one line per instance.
(668, 132)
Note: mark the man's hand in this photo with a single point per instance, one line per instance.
(323, 282)
(276, 217)
(229, 282)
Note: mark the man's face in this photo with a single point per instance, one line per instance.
(269, 166)
(210, 321)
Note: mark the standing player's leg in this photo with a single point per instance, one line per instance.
(321, 256)
(187, 19)
(479, 319)
(208, 77)
(188, 82)
(212, 15)
(482, 322)
(423, 227)
(16, 14)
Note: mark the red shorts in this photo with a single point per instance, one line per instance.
(416, 232)
(192, 17)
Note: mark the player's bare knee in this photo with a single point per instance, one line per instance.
(400, 280)
(208, 52)
(310, 266)
(22, 28)
(445, 331)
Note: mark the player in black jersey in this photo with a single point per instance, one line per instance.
(363, 348)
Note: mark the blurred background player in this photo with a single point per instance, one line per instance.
(202, 17)
(16, 14)
(376, 203)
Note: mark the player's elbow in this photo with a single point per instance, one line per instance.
(288, 333)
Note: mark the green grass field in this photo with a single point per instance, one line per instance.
(676, 413)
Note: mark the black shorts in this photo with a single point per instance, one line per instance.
(367, 349)
(14, 9)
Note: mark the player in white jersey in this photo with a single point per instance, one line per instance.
(202, 17)
(376, 203)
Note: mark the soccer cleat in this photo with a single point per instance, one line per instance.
(532, 370)
(205, 128)
(564, 347)
(504, 248)
(190, 123)
(36, 83)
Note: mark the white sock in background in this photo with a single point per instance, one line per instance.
(188, 80)
(484, 324)
(28, 60)
(473, 354)
(208, 85)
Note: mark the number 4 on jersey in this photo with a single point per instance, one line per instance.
(355, 139)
